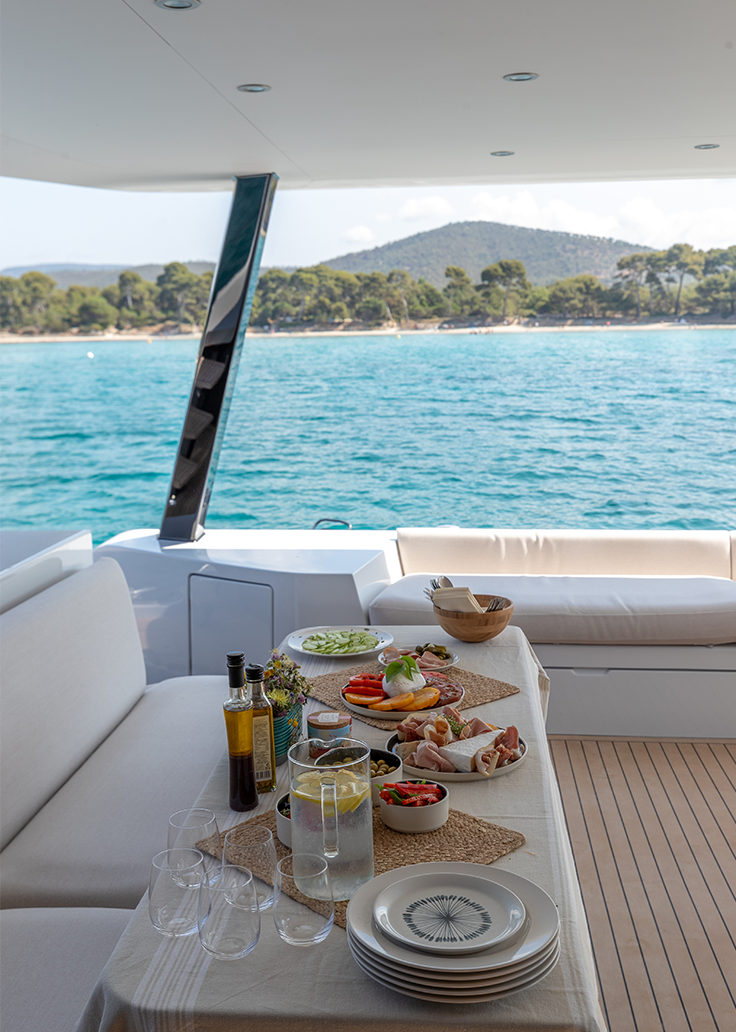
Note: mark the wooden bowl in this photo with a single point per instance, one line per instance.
(475, 626)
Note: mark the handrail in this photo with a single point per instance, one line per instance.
(331, 519)
(233, 288)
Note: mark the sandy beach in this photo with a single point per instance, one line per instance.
(101, 338)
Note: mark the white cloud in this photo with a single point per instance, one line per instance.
(522, 209)
(359, 235)
(519, 210)
(642, 220)
(383, 217)
(425, 207)
(639, 219)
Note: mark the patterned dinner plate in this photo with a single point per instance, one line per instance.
(542, 927)
(449, 913)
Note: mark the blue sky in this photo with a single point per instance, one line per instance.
(50, 223)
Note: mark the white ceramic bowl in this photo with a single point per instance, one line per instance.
(283, 824)
(415, 820)
(396, 775)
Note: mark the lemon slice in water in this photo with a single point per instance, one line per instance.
(349, 788)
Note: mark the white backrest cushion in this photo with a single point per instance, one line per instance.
(71, 667)
(649, 553)
(733, 555)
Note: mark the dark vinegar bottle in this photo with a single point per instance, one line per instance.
(238, 711)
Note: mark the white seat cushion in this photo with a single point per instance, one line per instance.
(72, 667)
(571, 553)
(584, 610)
(50, 961)
(91, 845)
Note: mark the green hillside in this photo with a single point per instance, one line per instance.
(547, 255)
(66, 276)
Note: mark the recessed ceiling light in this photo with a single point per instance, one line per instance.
(501, 153)
(177, 5)
(254, 87)
(707, 146)
(520, 76)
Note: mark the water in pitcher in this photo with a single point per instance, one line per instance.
(342, 833)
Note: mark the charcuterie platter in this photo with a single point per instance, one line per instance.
(461, 753)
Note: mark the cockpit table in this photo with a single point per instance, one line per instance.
(161, 985)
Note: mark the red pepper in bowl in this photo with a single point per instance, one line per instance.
(405, 793)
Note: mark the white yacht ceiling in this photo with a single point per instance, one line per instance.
(125, 94)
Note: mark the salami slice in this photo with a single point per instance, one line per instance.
(450, 691)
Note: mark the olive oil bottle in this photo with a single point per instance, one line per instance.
(264, 753)
(238, 711)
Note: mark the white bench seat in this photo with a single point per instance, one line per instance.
(623, 610)
(93, 762)
(51, 960)
(91, 844)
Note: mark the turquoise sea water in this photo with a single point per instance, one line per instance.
(586, 429)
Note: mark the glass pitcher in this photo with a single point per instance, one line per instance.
(331, 810)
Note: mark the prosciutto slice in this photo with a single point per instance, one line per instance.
(486, 760)
(428, 757)
(476, 727)
(428, 661)
(440, 732)
(507, 744)
(412, 729)
(405, 749)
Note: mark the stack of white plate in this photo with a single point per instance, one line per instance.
(453, 932)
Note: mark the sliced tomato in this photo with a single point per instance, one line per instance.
(365, 689)
(449, 694)
(360, 700)
(398, 702)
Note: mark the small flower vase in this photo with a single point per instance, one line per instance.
(287, 730)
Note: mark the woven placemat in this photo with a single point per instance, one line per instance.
(462, 838)
(478, 689)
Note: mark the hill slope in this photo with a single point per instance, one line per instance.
(97, 275)
(547, 255)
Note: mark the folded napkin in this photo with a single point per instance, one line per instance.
(456, 600)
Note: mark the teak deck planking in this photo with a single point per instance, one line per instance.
(653, 830)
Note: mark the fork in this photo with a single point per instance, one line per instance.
(437, 582)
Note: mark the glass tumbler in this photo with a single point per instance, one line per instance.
(303, 876)
(229, 920)
(171, 903)
(188, 829)
(255, 849)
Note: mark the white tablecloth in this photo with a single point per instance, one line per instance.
(158, 985)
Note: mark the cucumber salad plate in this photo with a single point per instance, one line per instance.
(339, 641)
